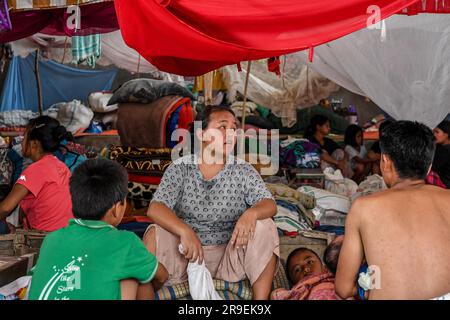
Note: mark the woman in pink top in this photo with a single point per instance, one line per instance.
(43, 188)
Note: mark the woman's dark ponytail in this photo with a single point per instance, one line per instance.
(48, 132)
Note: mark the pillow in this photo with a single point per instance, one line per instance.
(147, 91)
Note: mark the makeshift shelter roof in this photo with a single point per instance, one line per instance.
(194, 37)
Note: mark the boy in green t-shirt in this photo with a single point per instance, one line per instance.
(90, 259)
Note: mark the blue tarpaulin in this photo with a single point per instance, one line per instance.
(59, 83)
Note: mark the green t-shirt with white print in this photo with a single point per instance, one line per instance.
(87, 260)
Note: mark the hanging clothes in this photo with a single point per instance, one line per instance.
(86, 49)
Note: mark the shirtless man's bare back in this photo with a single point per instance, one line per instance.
(403, 231)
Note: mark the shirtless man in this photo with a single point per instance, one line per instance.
(403, 231)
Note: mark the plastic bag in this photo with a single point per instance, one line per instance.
(74, 115)
(336, 183)
(201, 285)
(98, 101)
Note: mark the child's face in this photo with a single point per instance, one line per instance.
(303, 264)
(325, 129)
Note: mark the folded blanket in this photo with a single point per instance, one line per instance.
(144, 125)
(280, 190)
(142, 161)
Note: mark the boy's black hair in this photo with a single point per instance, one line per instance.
(410, 145)
(292, 254)
(350, 135)
(96, 185)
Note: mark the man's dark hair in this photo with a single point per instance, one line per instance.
(411, 146)
(292, 255)
(95, 186)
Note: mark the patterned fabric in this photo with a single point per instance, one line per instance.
(227, 290)
(314, 287)
(6, 167)
(141, 191)
(86, 49)
(5, 22)
(280, 190)
(300, 154)
(289, 217)
(211, 207)
(142, 161)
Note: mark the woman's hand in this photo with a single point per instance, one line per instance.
(244, 229)
(193, 250)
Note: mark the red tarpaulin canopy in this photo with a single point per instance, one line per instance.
(192, 37)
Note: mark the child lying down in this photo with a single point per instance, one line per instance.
(311, 278)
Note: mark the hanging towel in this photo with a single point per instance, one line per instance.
(86, 49)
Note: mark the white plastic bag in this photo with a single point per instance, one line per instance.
(98, 101)
(201, 285)
(336, 183)
(10, 289)
(74, 115)
(327, 200)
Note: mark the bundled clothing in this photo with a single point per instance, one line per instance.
(314, 287)
(300, 154)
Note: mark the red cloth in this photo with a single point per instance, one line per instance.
(194, 37)
(434, 179)
(95, 18)
(48, 206)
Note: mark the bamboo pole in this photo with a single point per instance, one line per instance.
(244, 104)
(38, 82)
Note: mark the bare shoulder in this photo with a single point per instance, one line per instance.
(366, 206)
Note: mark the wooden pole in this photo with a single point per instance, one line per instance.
(244, 104)
(38, 82)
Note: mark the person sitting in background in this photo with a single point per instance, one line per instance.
(357, 153)
(331, 154)
(393, 229)
(42, 189)
(375, 151)
(311, 278)
(441, 162)
(111, 264)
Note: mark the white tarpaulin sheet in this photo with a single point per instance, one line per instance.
(407, 74)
